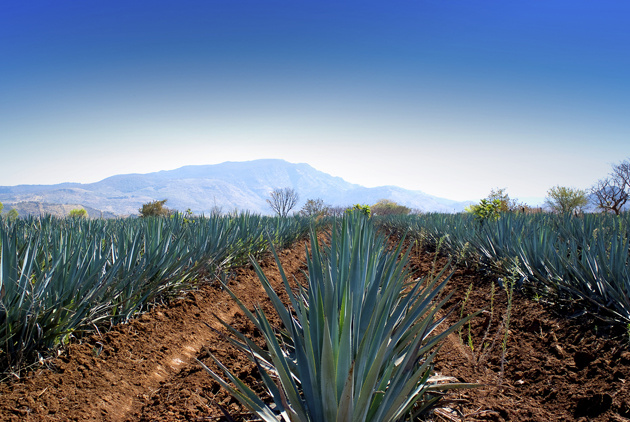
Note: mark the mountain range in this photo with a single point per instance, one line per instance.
(229, 186)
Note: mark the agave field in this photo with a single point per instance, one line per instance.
(247, 318)
(558, 258)
(63, 277)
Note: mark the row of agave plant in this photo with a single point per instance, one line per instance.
(63, 277)
(356, 342)
(580, 258)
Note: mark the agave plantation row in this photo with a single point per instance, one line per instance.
(357, 342)
(61, 277)
(581, 258)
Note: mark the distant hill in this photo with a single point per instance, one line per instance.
(227, 186)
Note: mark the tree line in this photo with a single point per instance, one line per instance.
(609, 194)
(282, 201)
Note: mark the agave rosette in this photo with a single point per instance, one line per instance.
(354, 347)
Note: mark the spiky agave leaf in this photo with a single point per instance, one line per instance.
(360, 349)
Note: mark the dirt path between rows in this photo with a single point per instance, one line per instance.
(115, 376)
(554, 369)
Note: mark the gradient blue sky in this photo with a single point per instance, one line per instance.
(450, 97)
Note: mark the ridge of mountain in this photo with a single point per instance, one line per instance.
(243, 186)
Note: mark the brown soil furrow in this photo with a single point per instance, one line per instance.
(554, 369)
(111, 377)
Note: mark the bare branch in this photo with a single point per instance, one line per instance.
(610, 194)
(283, 200)
(621, 174)
(314, 207)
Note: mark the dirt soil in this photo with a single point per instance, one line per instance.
(553, 369)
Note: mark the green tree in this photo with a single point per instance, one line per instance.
(561, 199)
(507, 203)
(314, 208)
(13, 214)
(78, 213)
(1, 207)
(498, 201)
(486, 209)
(155, 209)
(387, 207)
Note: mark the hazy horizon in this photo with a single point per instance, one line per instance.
(532, 201)
(449, 98)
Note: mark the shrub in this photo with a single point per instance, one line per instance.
(78, 213)
(364, 209)
(314, 208)
(387, 207)
(155, 209)
(486, 209)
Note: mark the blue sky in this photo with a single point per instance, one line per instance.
(453, 98)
